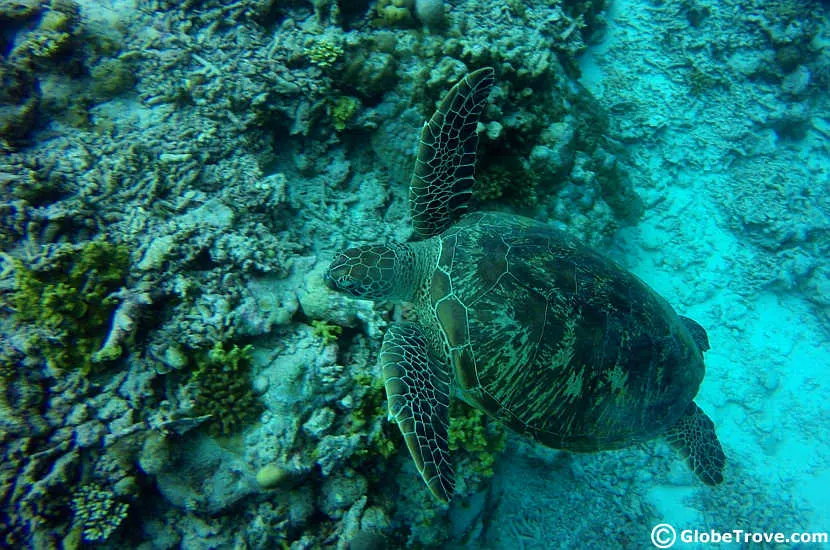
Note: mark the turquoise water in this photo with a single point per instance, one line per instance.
(175, 179)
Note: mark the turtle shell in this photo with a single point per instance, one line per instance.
(557, 341)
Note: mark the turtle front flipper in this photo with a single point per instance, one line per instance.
(418, 390)
(693, 436)
(442, 181)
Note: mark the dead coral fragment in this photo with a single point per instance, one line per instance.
(123, 324)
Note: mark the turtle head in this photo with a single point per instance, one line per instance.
(374, 272)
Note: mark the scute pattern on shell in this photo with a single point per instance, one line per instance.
(557, 341)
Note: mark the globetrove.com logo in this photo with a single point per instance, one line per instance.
(664, 535)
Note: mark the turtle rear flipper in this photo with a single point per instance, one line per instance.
(418, 390)
(693, 436)
(442, 181)
(698, 333)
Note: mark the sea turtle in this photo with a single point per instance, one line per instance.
(521, 320)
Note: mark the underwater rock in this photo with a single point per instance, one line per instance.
(797, 82)
(157, 252)
(269, 303)
(368, 540)
(260, 384)
(349, 525)
(89, 433)
(371, 73)
(341, 492)
(301, 505)
(16, 10)
(432, 13)
(174, 357)
(156, 454)
(374, 520)
(271, 476)
(334, 450)
(110, 78)
(395, 12)
(205, 478)
(19, 101)
(320, 421)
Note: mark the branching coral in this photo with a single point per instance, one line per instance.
(97, 512)
(342, 110)
(223, 388)
(471, 431)
(324, 52)
(328, 332)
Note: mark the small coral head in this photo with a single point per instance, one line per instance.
(369, 272)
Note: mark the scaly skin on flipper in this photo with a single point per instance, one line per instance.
(417, 388)
(693, 436)
(442, 181)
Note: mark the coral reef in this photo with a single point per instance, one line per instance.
(57, 68)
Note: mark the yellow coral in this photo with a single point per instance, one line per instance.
(343, 110)
(326, 331)
(324, 53)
